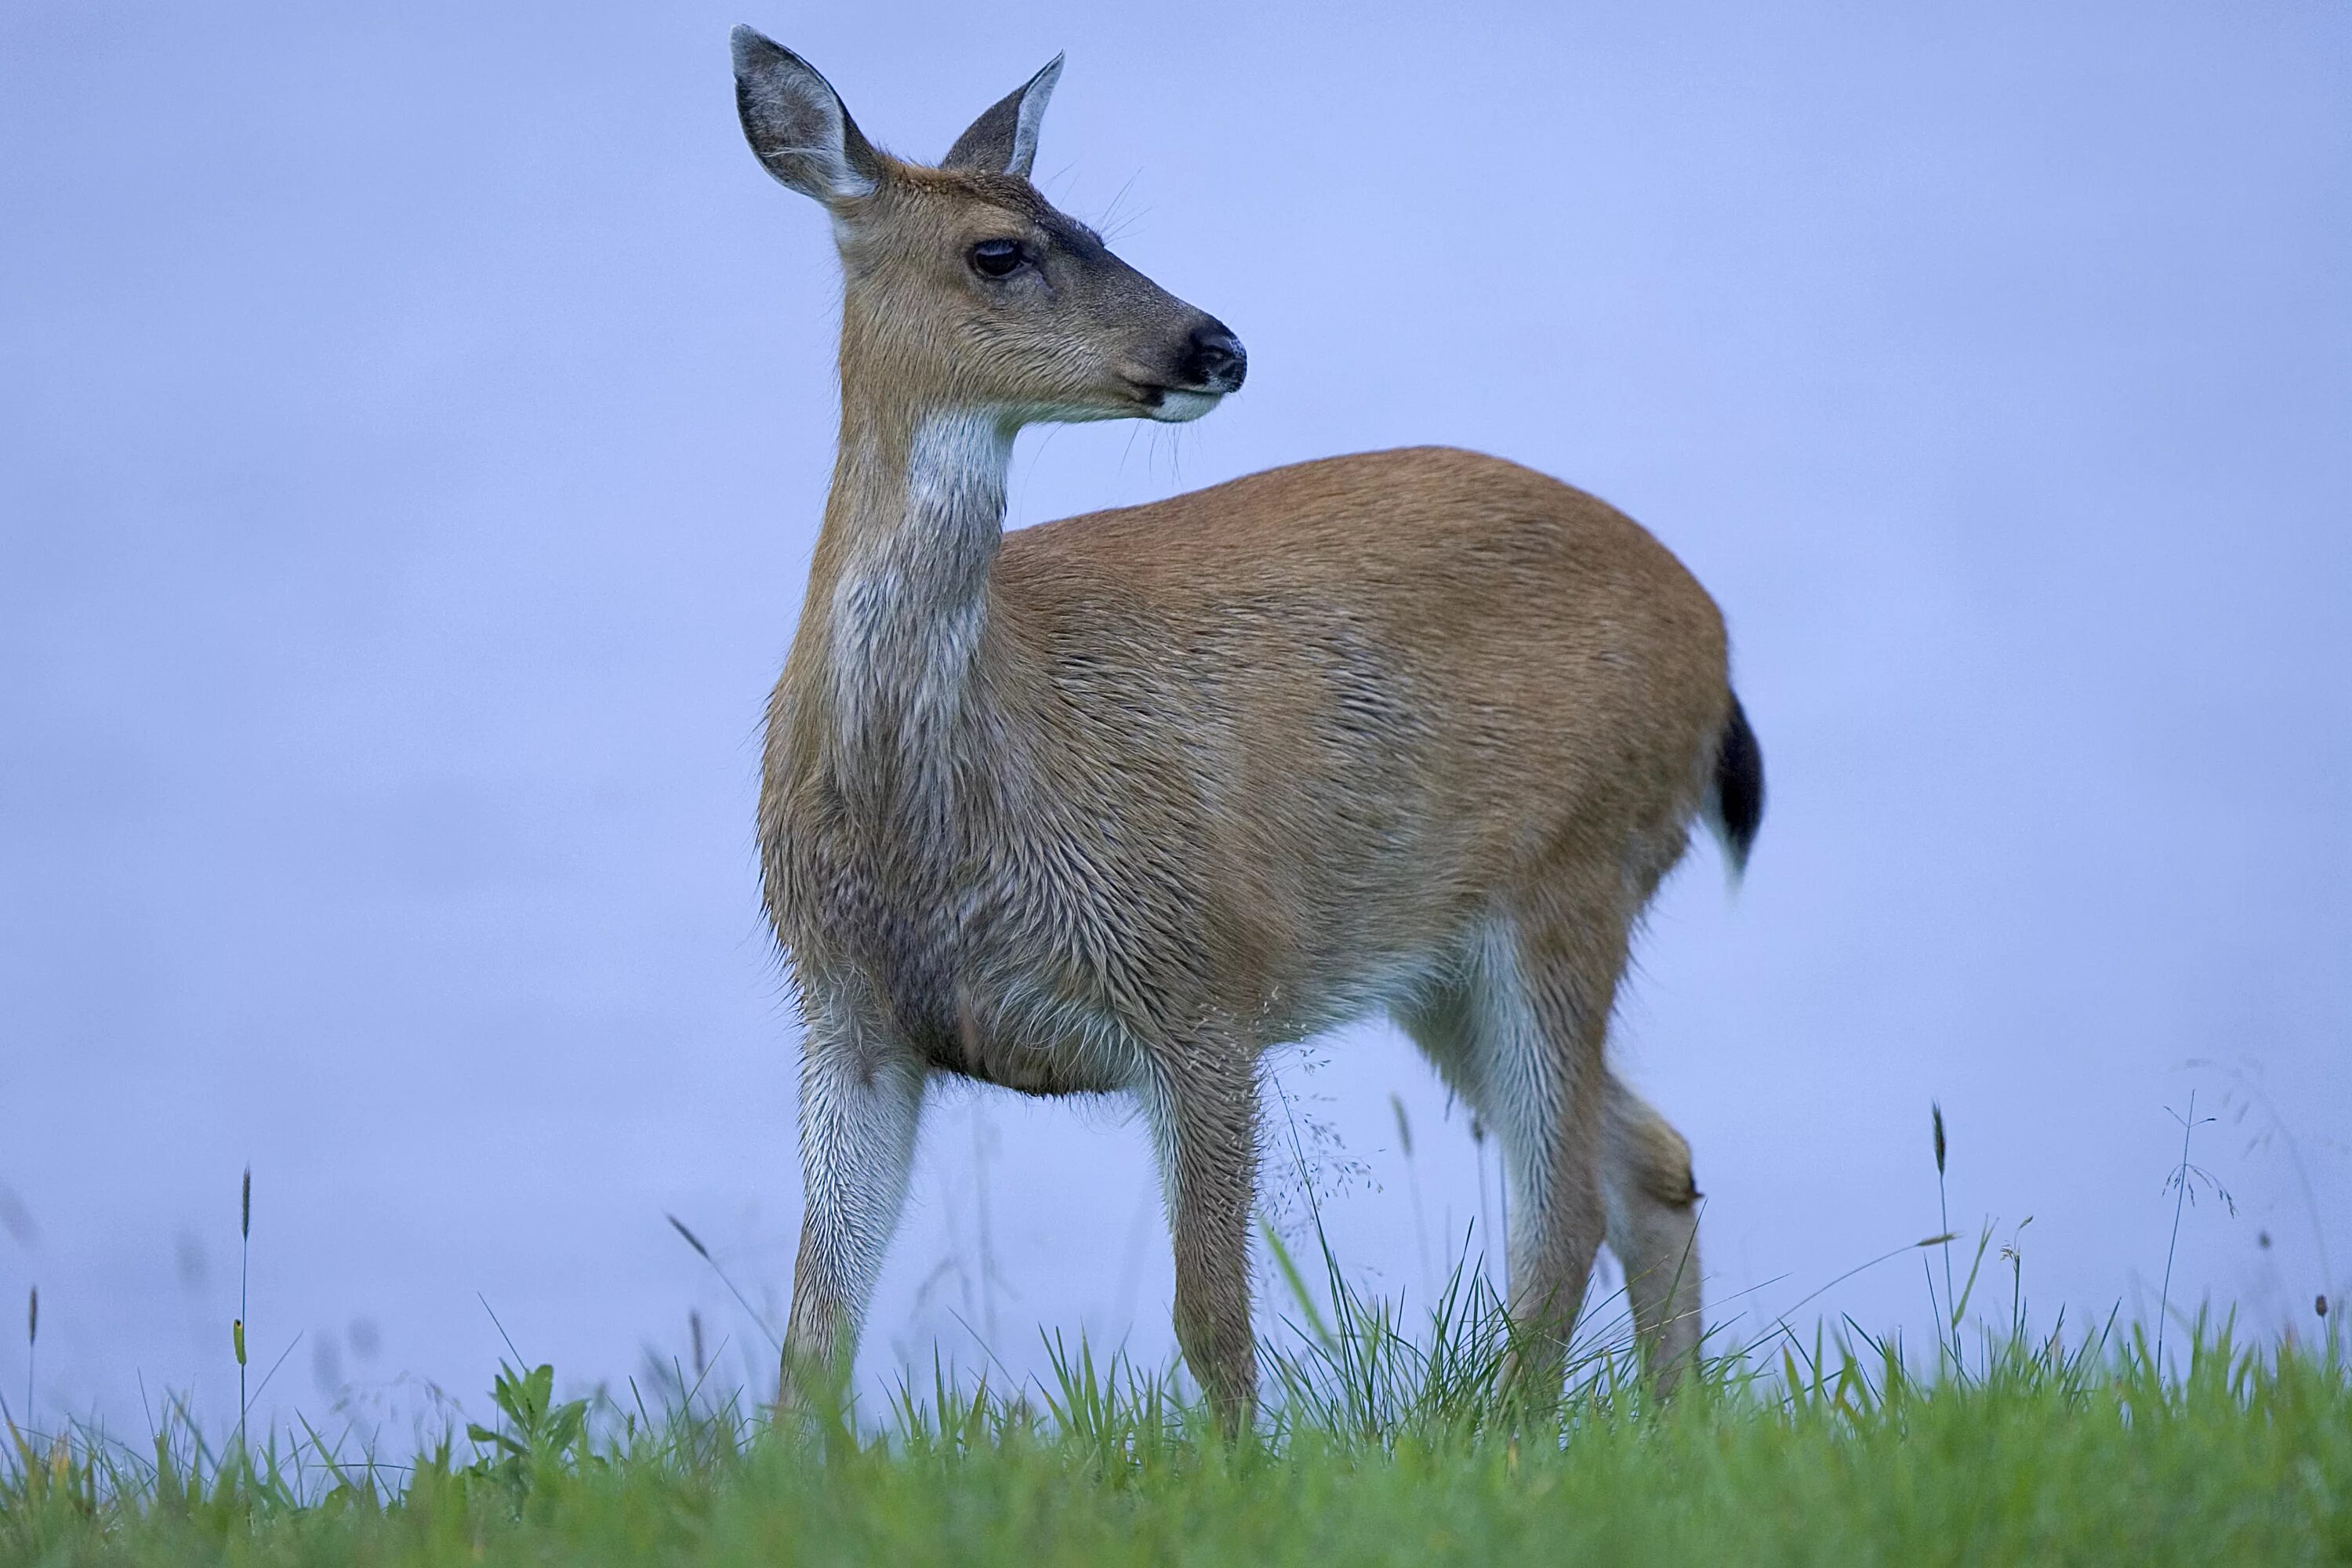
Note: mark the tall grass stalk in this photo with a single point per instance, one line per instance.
(1943, 1223)
(1413, 1184)
(2183, 1175)
(741, 1300)
(237, 1329)
(32, 1344)
(981, 1207)
(1487, 1230)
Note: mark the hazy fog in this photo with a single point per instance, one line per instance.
(413, 424)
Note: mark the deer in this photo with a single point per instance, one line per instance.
(1119, 805)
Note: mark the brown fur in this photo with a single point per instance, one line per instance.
(1118, 803)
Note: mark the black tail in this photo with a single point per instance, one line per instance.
(1738, 809)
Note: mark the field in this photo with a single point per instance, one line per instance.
(1375, 1446)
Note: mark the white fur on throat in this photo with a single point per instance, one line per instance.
(908, 611)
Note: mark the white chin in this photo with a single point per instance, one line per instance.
(1183, 407)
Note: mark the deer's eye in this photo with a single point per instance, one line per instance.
(995, 258)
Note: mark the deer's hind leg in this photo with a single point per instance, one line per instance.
(1653, 1224)
(1518, 1032)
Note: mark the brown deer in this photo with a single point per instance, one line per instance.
(1116, 804)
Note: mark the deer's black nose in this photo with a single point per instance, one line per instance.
(1213, 360)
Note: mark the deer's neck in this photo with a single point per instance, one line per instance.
(915, 520)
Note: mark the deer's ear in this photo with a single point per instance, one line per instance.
(796, 124)
(1003, 140)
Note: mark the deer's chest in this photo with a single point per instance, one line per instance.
(944, 916)
(885, 885)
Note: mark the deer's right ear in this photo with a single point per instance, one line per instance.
(1003, 140)
(796, 124)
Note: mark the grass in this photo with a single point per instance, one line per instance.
(1382, 1440)
(1374, 1447)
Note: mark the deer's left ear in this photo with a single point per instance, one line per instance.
(1003, 140)
(796, 124)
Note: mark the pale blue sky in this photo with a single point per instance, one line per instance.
(413, 424)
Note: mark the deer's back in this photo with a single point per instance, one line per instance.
(1427, 591)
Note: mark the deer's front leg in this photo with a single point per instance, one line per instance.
(1204, 1110)
(861, 1097)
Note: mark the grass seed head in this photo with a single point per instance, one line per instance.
(33, 1314)
(1936, 1109)
(245, 1207)
(692, 1240)
(1404, 1128)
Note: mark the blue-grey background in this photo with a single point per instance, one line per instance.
(413, 424)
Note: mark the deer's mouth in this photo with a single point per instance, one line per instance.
(1174, 404)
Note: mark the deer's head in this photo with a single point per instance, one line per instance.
(963, 288)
